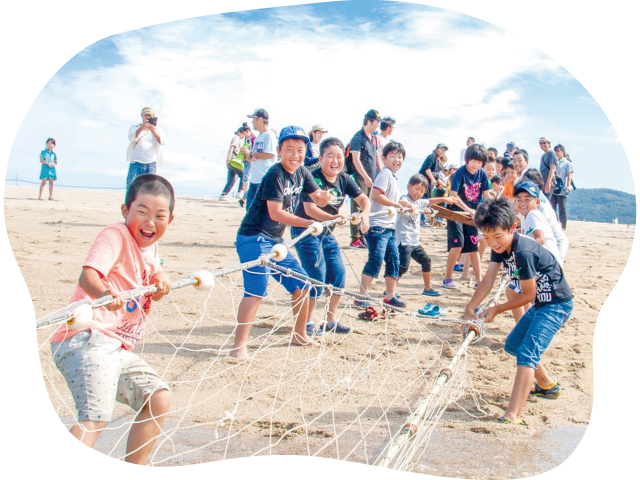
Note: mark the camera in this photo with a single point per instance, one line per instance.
(153, 121)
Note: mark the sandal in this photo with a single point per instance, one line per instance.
(506, 421)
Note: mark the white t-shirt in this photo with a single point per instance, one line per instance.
(147, 148)
(407, 225)
(535, 220)
(561, 238)
(265, 143)
(386, 182)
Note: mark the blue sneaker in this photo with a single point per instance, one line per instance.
(312, 331)
(458, 267)
(394, 302)
(362, 304)
(397, 295)
(431, 293)
(336, 327)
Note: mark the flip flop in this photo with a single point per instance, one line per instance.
(506, 421)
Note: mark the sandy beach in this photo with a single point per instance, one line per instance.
(345, 399)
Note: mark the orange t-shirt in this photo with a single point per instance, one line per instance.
(122, 265)
(508, 189)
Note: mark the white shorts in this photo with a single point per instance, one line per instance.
(99, 371)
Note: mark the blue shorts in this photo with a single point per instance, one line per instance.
(382, 246)
(533, 333)
(246, 173)
(249, 248)
(321, 258)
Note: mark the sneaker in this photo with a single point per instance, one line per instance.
(450, 283)
(552, 392)
(424, 224)
(221, 198)
(431, 292)
(458, 267)
(397, 295)
(394, 302)
(242, 202)
(336, 327)
(361, 304)
(358, 243)
(313, 331)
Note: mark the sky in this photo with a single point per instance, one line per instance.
(452, 77)
(595, 45)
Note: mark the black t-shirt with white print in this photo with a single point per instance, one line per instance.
(278, 185)
(528, 259)
(344, 185)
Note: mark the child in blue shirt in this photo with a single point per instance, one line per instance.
(542, 281)
(49, 160)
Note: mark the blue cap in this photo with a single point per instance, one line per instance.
(511, 146)
(528, 187)
(292, 132)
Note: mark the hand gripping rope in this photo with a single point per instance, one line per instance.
(416, 420)
(79, 315)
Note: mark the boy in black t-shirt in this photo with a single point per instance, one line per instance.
(321, 256)
(542, 281)
(262, 227)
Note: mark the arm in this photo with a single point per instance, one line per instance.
(355, 158)
(527, 296)
(91, 282)
(438, 200)
(365, 204)
(277, 214)
(538, 235)
(316, 213)
(568, 186)
(552, 172)
(321, 197)
(156, 133)
(163, 283)
(261, 156)
(483, 289)
(378, 160)
(456, 200)
(379, 197)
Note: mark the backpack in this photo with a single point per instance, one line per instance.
(559, 186)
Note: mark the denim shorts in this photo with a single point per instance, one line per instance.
(99, 372)
(533, 333)
(246, 173)
(382, 246)
(321, 258)
(255, 279)
(136, 169)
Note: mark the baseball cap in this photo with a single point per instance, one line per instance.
(292, 132)
(544, 138)
(260, 112)
(442, 145)
(511, 146)
(148, 110)
(317, 128)
(528, 187)
(372, 115)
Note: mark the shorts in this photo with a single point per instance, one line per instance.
(246, 173)
(407, 252)
(249, 248)
(99, 371)
(533, 333)
(382, 246)
(462, 235)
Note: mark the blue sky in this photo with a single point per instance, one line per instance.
(443, 75)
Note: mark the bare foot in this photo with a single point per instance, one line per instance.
(40, 198)
(303, 340)
(239, 352)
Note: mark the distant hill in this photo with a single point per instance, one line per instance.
(601, 205)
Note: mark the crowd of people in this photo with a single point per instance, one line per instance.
(295, 179)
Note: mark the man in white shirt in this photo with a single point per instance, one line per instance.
(387, 126)
(145, 149)
(263, 154)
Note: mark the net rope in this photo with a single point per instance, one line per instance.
(346, 399)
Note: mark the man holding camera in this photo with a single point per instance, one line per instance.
(145, 148)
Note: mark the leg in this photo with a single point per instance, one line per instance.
(377, 247)
(390, 287)
(333, 308)
(562, 207)
(466, 263)
(88, 431)
(519, 393)
(474, 259)
(251, 193)
(246, 315)
(391, 263)
(147, 427)
(355, 229)
(451, 261)
(542, 376)
(300, 306)
(44, 181)
(365, 283)
(420, 256)
(455, 242)
(231, 179)
(51, 189)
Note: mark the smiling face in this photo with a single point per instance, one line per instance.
(499, 239)
(510, 174)
(393, 161)
(148, 218)
(474, 165)
(526, 203)
(50, 145)
(545, 146)
(292, 152)
(490, 170)
(519, 163)
(332, 162)
(416, 191)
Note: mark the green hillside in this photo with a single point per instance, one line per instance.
(601, 205)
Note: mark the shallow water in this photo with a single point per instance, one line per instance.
(451, 453)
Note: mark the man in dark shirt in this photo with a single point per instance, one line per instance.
(272, 210)
(542, 281)
(548, 163)
(363, 163)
